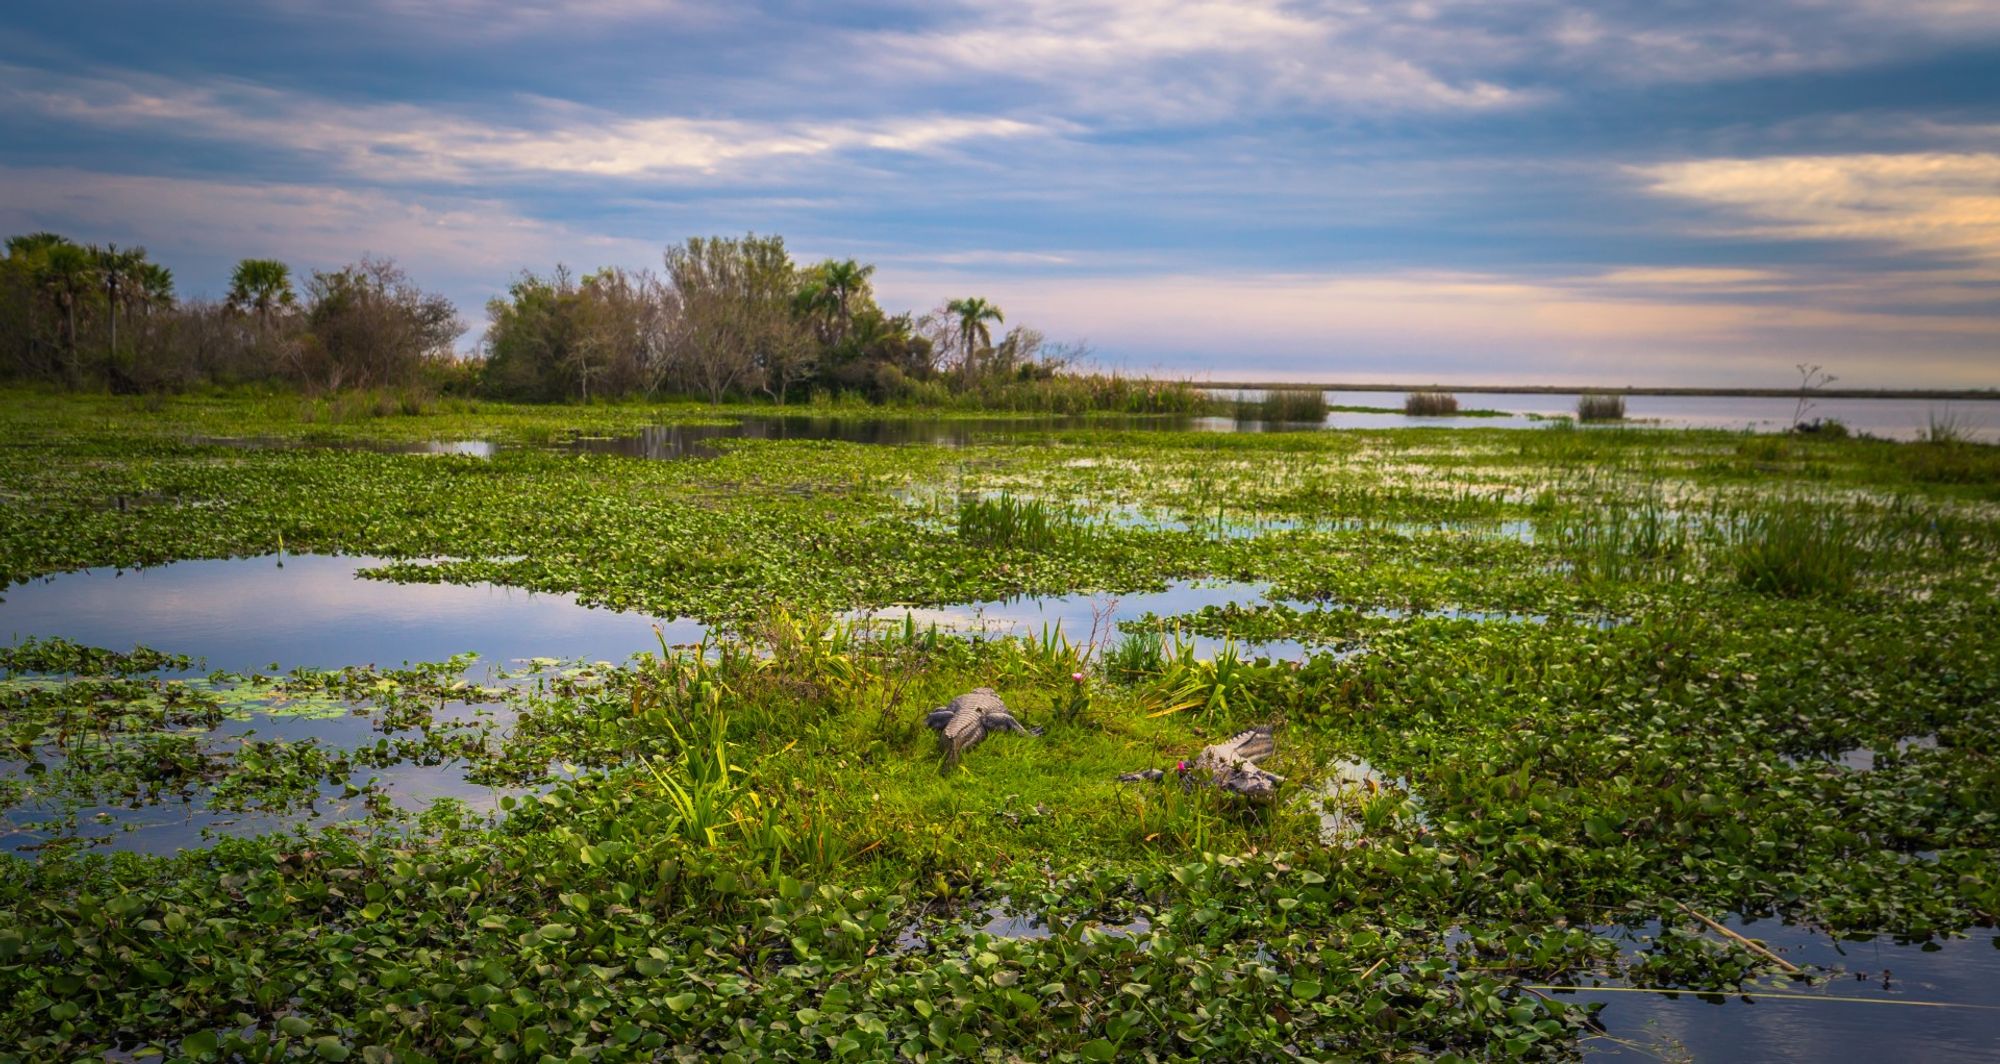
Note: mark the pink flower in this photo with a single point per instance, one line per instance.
(1077, 676)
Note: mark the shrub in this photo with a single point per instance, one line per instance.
(1430, 404)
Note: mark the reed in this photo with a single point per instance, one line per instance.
(1007, 521)
(1430, 404)
(1947, 427)
(1795, 549)
(1293, 405)
(1600, 408)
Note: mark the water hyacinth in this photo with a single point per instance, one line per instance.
(1601, 678)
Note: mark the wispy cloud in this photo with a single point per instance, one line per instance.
(1939, 203)
(411, 142)
(1187, 59)
(1468, 326)
(473, 243)
(1539, 186)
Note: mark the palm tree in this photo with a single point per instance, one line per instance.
(31, 244)
(67, 273)
(29, 254)
(119, 272)
(154, 286)
(844, 281)
(262, 285)
(973, 314)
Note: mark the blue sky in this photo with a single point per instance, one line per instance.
(1666, 192)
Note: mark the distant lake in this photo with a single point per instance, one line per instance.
(1900, 419)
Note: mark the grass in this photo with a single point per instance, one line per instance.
(1600, 408)
(1796, 548)
(758, 853)
(1947, 427)
(1430, 404)
(1024, 524)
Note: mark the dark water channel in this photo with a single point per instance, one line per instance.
(697, 441)
(1891, 1002)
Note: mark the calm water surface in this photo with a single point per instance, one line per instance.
(1900, 419)
(1897, 1018)
(249, 614)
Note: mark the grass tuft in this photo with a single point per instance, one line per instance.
(1600, 408)
(1007, 521)
(1293, 405)
(1794, 549)
(1430, 404)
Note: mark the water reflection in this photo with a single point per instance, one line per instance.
(697, 441)
(1081, 615)
(1900, 419)
(172, 824)
(251, 614)
(1797, 1022)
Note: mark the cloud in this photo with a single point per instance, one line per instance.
(472, 245)
(1945, 204)
(1468, 326)
(410, 142)
(1696, 279)
(1186, 59)
(499, 19)
(998, 258)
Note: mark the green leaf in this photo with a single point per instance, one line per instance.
(1099, 1049)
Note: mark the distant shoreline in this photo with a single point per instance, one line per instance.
(1555, 389)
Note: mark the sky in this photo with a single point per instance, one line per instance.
(1663, 192)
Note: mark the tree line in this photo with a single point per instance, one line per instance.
(724, 318)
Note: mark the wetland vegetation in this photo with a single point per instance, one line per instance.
(728, 318)
(1558, 711)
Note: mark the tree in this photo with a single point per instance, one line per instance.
(33, 325)
(880, 355)
(369, 325)
(67, 276)
(630, 322)
(555, 337)
(124, 276)
(973, 314)
(736, 327)
(261, 286)
(846, 284)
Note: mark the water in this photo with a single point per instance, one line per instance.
(251, 614)
(696, 441)
(465, 448)
(1886, 1024)
(1890, 418)
(169, 825)
(1902, 419)
(1078, 615)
